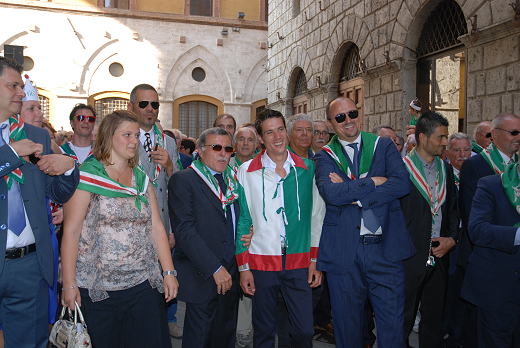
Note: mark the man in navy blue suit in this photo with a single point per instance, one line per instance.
(492, 281)
(25, 237)
(364, 239)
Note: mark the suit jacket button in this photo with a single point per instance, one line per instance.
(2, 196)
(3, 227)
(358, 227)
(224, 242)
(162, 209)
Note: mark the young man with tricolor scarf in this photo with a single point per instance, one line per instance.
(432, 219)
(492, 281)
(82, 120)
(361, 177)
(279, 198)
(492, 160)
(26, 270)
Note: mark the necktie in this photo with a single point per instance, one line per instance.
(230, 235)
(15, 210)
(148, 145)
(369, 219)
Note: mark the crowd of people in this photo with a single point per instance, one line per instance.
(272, 228)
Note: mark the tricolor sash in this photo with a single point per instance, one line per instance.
(17, 132)
(476, 147)
(494, 158)
(511, 185)
(229, 175)
(69, 151)
(94, 178)
(368, 140)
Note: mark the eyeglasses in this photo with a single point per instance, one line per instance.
(318, 133)
(352, 114)
(81, 118)
(513, 132)
(144, 103)
(488, 135)
(218, 147)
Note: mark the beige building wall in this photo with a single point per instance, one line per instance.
(73, 48)
(312, 35)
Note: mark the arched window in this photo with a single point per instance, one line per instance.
(300, 88)
(195, 117)
(44, 102)
(350, 64)
(107, 105)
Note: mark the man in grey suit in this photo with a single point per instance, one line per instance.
(156, 150)
(28, 174)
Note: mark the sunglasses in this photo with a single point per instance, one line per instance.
(513, 133)
(144, 103)
(81, 118)
(488, 135)
(217, 147)
(352, 114)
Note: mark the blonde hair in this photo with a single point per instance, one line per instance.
(103, 145)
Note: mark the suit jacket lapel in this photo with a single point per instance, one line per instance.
(145, 162)
(209, 194)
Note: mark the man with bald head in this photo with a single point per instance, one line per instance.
(245, 146)
(482, 137)
(492, 160)
(364, 238)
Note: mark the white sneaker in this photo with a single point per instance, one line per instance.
(175, 330)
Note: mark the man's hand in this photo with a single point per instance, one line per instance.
(314, 276)
(55, 164)
(26, 147)
(223, 280)
(247, 282)
(410, 130)
(171, 240)
(161, 156)
(246, 238)
(57, 217)
(446, 244)
(379, 180)
(335, 178)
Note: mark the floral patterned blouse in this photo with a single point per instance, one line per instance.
(116, 247)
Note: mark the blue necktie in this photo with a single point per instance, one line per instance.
(369, 219)
(230, 235)
(15, 211)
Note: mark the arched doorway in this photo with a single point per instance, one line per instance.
(300, 88)
(441, 64)
(350, 84)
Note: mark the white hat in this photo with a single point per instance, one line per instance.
(30, 91)
(416, 104)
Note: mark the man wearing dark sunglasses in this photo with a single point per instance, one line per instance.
(82, 120)
(490, 161)
(364, 239)
(156, 151)
(482, 137)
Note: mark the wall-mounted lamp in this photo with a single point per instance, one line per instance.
(516, 16)
(224, 31)
(474, 33)
(236, 29)
(388, 62)
(241, 15)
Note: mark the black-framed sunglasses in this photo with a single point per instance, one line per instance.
(352, 114)
(488, 135)
(218, 147)
(81, 118)
(144, 103)
(513, 132)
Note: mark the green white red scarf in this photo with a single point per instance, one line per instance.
(229, 175)
(476, 147)
(159, 138)
(368, 143)
(494, 158)
(17, 132)
(457, 179)
(511, 185)
(94, 178)
(69, 151)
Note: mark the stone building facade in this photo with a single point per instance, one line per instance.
(203, 60)
(460, 57)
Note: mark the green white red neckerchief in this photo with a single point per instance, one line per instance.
(457, 179)
(368, 140)
(17, 132)
(159, 138)
(511, 186)
(237, 164)
(179, 163)
(476, 147)
(69, 151)
(418, 178)
(229, 175)
(495, 159)
(94, 178)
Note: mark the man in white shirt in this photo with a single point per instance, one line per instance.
(82, 120)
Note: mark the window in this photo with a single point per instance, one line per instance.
(195, 117)
(44, 102)
(14, 53)
(350, 65)
(200, 7)
(107, 105)
(120, 4)
(300, 100)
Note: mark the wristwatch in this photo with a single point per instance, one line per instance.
(173, 273)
